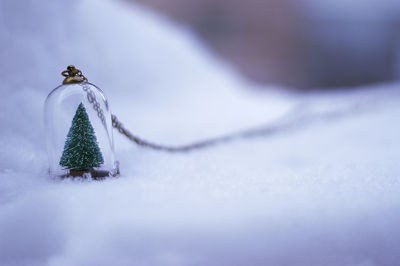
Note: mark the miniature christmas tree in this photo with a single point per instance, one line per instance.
(81, 150)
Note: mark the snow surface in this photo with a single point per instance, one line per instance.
(325, 194)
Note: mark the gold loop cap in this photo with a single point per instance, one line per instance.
(73, 75)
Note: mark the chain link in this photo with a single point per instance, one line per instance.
(95, 104)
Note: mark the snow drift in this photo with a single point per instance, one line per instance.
(324, 195)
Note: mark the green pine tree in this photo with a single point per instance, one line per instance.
(81, 150)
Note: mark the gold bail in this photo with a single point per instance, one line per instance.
(73, 75)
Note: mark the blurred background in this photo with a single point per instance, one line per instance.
(304, 44)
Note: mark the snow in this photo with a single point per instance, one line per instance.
(323, 194)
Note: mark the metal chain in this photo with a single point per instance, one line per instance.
(96, 105)
(184, 148)
(292, 120)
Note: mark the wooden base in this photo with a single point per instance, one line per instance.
(95, 174)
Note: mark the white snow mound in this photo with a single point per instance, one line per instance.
(324, 194)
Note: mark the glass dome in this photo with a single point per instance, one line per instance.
(79, 131)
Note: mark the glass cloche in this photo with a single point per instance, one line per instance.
(79, 129)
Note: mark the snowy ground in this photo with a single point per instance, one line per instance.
(325, 194)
